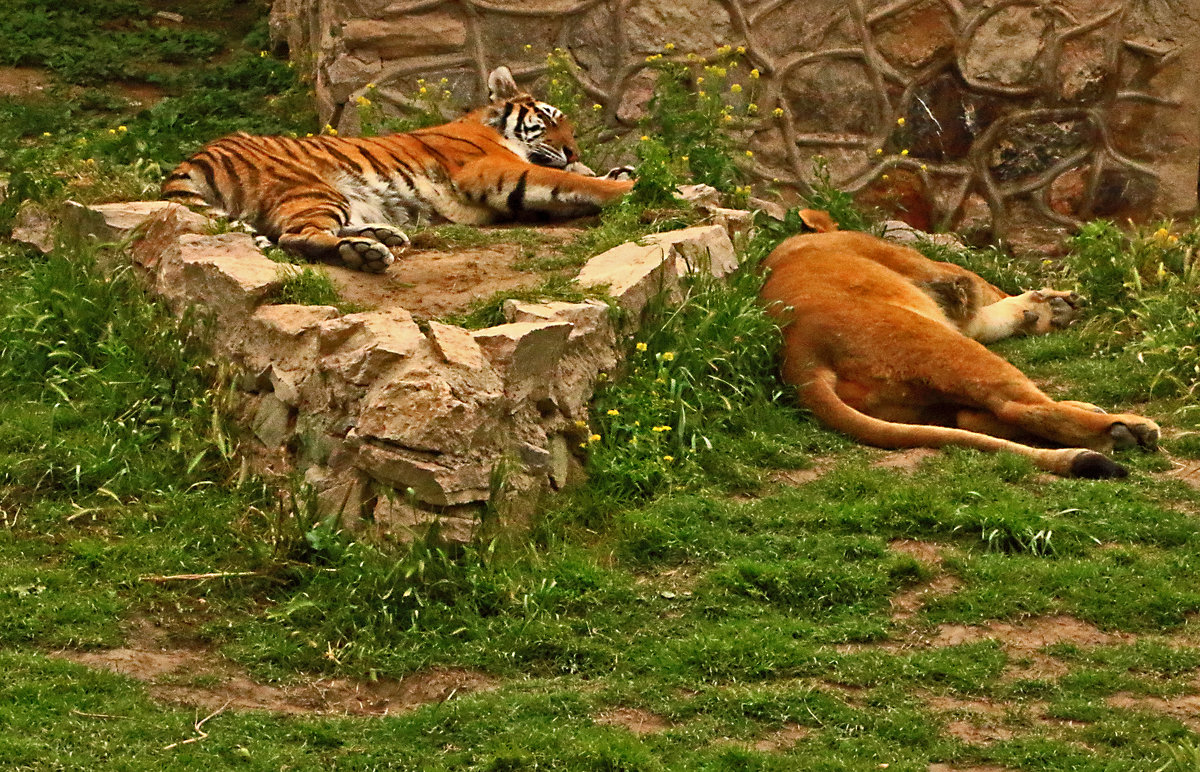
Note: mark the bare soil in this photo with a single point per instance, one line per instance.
(22, 81)
(634, 719)
(434, 282)
(191, 674)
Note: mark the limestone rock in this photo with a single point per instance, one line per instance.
(272, 421)
(633, 273)
(524, 353)
(360, 347)
(456, 346)
(284, 337)
(118, 221)
(401, 520)
(434, 410)
(431, 482)
(34, 226)
(415, 34)
(903, 233)
(340, 493)
(225, 274)
(704, 248)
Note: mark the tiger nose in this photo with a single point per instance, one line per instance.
(570, 154)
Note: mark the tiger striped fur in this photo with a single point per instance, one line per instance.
(340, 200)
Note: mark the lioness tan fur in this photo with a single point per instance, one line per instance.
(886, 346)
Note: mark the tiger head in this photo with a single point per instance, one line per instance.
(540, 131)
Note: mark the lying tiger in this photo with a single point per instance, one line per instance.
(885, 345)
(340, 200)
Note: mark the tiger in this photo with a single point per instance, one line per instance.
(886, 345)
(340, 200)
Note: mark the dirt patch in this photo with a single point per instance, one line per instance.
(782, 740)
(975, 722)
(1185, 708)
(22, 81)
(193, 675)
(798, 477)
(906, 604)
(904, 460)
(1032, 634)
(924, 551)
(634, 719)
(433, 282)
(1187, 471)
(141, 94)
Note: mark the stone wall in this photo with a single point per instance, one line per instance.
(399, 424)
(1017, 114)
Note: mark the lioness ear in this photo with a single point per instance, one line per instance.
(818, 220)
(501, 84)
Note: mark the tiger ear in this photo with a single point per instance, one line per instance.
(501, 84)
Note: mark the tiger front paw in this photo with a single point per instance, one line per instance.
(620, 173)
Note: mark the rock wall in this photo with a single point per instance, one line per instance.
(1016, 115)
(399, 425)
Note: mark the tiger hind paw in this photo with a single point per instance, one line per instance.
(363, 254)
(390, 237)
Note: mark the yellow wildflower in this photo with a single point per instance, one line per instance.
(736, 88)
(597, 107)
(684, 158)
(669, 356)
(724, 49)
(580, 424)
(614, 411)
(423, 90)
(645, 138)
(668, 459)
(641, 346)
(594, 438)
(885, 178)
(363, 101)
(741, 49)
(669, 46)
(370, 85)
(878, 151)
(45, 134)
(900, 121)
(752, 108)
(528, 47)
(661, 429)
(904, 151)
(777, 112)
(749, 153)
(755, 73)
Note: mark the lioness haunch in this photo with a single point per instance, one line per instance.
(886, 345)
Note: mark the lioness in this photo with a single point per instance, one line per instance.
(885, 345)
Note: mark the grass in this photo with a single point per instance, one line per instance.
(752, 619)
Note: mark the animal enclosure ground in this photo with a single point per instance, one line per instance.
(786, 600)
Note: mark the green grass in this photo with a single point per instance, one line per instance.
(311, 286)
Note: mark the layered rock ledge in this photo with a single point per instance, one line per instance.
(399, 425)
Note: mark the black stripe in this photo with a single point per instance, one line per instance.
(235, 194)
(516, 199)
(433, 151)
(210, 179)
(456, 139)
(179, 176)
(180, 194)
(381, 169)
